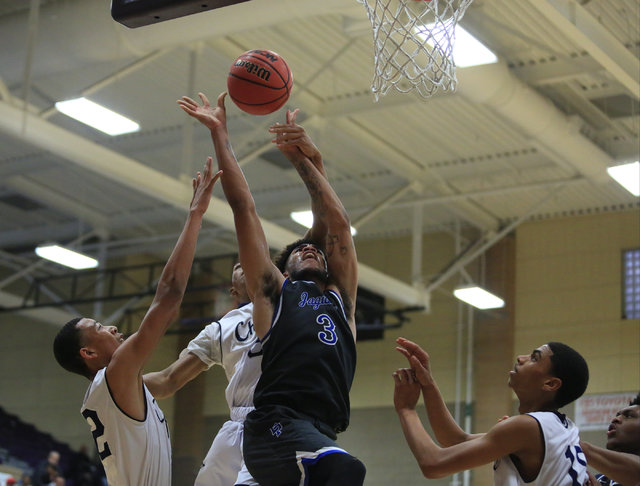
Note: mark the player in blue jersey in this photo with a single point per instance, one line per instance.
(303, 315)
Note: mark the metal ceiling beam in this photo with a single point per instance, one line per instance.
(485, 242)
(50, 315)
(558, 71)
(43, 194)
(402, 165)
(62, 24)
(498, 191)
(123, 170)
(581, 27)
(495, 86)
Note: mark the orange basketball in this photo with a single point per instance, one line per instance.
(259, 82)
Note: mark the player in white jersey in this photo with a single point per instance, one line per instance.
(563, 460)
(231, 343)
(538, 447)
(129, 429)
(132, 451)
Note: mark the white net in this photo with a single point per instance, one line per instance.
(413, 44)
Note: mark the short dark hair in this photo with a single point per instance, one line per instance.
(66, 348)
(283, 256)
(635, 401)
(568, 365)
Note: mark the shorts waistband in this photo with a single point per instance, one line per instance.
(238, 414)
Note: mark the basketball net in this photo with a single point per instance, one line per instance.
(413, 44)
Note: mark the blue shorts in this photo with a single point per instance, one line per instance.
(281, 445)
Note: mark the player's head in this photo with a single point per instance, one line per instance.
(623, 434)
(552, 375)
(303, 260)
(84, 346)
(571, 368)
(239, 285)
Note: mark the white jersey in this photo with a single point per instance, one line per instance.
(232, 343)
(564, 463)
(133, 452)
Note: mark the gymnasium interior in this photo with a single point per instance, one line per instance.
(504, 183)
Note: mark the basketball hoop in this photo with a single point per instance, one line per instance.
(413, 44)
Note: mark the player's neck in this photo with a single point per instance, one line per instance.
(536, 405)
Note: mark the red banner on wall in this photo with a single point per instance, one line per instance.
(594, 412)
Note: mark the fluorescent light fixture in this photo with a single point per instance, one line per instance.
(628, 176)
(305, 218)
(467, 50)
(66, 257)
(478, 297)
(97, 116)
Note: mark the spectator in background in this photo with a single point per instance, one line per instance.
(83, 471)
(42, 473)
(25, 480)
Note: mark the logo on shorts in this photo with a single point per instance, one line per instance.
(276, 429)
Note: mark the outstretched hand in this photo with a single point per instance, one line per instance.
(407, 389)
(203, 187)
(213, 117)
(293, 141)
(418, 360)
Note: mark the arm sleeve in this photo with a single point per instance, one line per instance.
(207, 345)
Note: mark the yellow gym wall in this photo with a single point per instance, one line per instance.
(565, 275)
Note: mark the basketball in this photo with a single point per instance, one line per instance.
(259, 82)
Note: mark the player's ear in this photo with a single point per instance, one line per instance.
(233, 292)
(552, 384)
(87, 353)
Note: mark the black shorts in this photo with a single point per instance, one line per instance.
(280, 445)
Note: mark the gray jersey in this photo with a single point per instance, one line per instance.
(133, 452)
(564, 463)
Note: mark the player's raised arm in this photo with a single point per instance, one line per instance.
(507, 437)
(124, 371)
(294, 143)
(328, 213)
(262, 277)
(444, 426)
(621, 467)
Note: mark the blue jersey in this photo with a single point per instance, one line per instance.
(309, 355)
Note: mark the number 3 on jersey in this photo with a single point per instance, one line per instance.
(328, 336)
(97, 431)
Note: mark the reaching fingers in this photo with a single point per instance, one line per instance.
(221, 98)
(285, 129)
(291, 116)
(404, 375)
(284, 139)
(413, 348)
(403, 351)
(187, 101)
(205, 100)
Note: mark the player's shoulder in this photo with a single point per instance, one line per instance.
(235, 315)
(517, 426)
